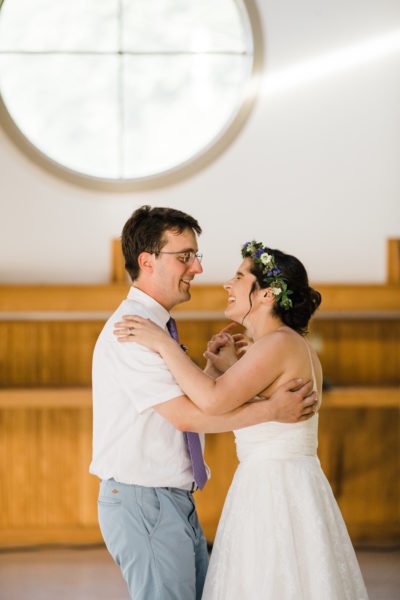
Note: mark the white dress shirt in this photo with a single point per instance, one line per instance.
(132, 443)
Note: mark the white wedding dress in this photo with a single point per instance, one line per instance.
(281, 535)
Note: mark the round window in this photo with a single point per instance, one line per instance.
(126, 90)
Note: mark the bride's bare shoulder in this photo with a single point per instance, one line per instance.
(274, 346)
(283, 336)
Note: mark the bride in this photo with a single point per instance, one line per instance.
(281, 535)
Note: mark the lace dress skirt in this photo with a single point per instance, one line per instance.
(282, 537)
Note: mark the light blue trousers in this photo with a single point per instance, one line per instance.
(154, 536)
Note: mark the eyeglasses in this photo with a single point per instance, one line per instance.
(186, 257)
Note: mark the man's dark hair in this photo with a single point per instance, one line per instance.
(144, 232)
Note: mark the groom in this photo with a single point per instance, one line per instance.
(148, 466)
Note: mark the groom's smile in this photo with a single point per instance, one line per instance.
(175, 268)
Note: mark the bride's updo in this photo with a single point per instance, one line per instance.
(297, 301)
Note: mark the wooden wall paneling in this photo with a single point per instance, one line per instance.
(61, 435)
(89, 484)
(352, 352)
(48, 496)
(50, 353)
(393, 261)
(23, 502)
(358, 297)
(41, 398)
(359, 450)
(359, 352)
(47, 490)
(106, 297)
(323, 335)
(195, 335)
(220, 455)
(118, 273)
(31, 298)
(55, 353)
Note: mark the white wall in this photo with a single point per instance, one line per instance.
(314, 172)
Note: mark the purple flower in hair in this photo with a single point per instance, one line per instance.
(271, 274)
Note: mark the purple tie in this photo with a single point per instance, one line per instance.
(192, 439)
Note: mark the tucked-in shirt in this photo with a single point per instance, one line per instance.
(132, 443)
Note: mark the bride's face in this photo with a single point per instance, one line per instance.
(239, 289)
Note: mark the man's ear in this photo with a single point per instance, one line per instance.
(145, 262)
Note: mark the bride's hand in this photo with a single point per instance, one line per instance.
(224, 355)
(242, 343)
(216, 366)
(214, 346)
(142, 331)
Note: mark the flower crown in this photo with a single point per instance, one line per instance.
(271, 274)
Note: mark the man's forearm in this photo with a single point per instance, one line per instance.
(249, 414)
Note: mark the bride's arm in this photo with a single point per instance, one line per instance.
(244, 380)
(289, 404)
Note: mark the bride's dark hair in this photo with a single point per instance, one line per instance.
(305, 300)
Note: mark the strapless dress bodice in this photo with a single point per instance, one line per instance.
(278, 440)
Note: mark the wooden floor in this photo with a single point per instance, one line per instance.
(90, 574)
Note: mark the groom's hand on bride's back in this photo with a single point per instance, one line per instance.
(294, 401)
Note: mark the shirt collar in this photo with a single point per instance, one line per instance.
(160, 314)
